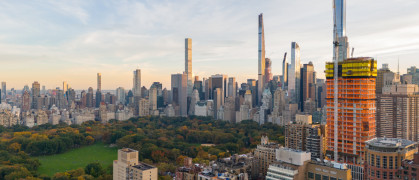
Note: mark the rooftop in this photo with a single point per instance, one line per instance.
(128, 150)
(389, 142)
(143, 166)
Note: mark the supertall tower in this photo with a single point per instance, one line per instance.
(294, 75)
(261, 58)
(188, 64)
(339, 22)
(137, 83)
(284, 80)
(99, 82)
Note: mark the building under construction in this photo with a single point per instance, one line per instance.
(356, 108)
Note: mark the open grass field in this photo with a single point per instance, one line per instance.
(77, 158)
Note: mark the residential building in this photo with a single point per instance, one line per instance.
(128, 167)
(384, 157)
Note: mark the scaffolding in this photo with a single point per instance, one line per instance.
(356, 107)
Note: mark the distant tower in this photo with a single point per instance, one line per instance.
(261, 58)
(3, 89)
(99, 82)
(339, 21)
(284, 72)
(268, 70)
(65, 86)
(137, 82)
(294, 73)
(188, 64)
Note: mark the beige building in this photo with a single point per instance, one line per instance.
(143, 107)
(327, 170)
(398, 112)
(128, 167)
(265, 154)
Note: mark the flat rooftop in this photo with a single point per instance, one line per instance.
(143, 166)
(389, 142)
(128, 150)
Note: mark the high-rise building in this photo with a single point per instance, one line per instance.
(36, 95)
(128, 167)
(219, 81)
(261, 59)
(179, 91)
(98, 98)
(3, 89)
(384, 157)
(26, 106)
(339, 30)
(265, 154)
(284, 80)
(188, 64)
(232, 87)
(120, 95)
(152, 97)
(398, 112)
(385, 77)
(294, 73)
(99, 82)
(268, 70)
(308, 84)
(65, 86)
(356, 110)
(137, 82)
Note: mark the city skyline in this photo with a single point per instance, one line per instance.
(85, 44)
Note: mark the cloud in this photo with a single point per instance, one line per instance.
(52, 41)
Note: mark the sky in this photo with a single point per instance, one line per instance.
(55, 41)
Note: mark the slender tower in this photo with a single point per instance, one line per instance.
(137, 83)
(261, 58)
(284, 72)
(188, 64)
(339, 30)
(99, 81)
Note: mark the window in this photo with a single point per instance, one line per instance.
(310, 175)
(378, 174)
(318, 177)
(332, 178)
(378, 161)
(325, 178)
(390, 175)
(372, 160)
(385, 162)
(384, 175)
(390, 162)
(372, 173)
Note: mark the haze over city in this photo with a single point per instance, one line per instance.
(71, 41)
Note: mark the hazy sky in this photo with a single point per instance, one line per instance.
(55, 41)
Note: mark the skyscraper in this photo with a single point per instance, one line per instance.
(308, 84)
(188, 64)
(355, 122)
(294, 73)
(398, 112)
(268, 69)
(65, 86)
(261, 59)
(137, 82)
(120, 95)
(284, 80)
(3, 89)
(36, 94)
(99, 82)
(232, 88)
(179, 90)
(339, 30)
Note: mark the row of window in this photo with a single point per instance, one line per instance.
(314, 176)
(378, 174)
(376, 161)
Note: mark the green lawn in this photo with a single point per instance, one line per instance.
(77, 158)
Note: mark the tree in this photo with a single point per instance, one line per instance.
(90, 140)
(14, 147)
(94, 169)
